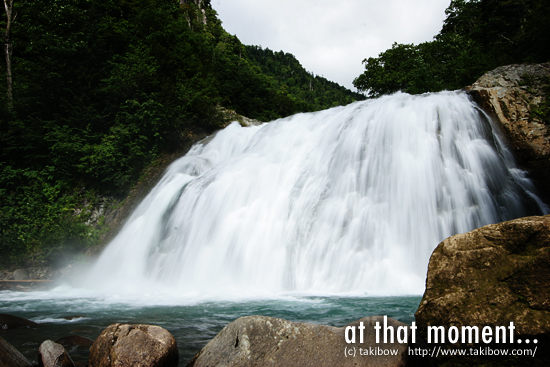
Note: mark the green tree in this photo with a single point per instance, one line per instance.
(477, 36)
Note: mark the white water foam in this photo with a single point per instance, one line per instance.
(344, 201)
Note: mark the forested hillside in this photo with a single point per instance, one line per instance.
(95, 90)
(289, 75)
(477, 36)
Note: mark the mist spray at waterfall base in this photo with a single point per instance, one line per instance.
(310, 218)
(350, 200)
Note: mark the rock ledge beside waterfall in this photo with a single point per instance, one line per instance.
(512, 95)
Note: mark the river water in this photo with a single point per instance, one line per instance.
(67, 311)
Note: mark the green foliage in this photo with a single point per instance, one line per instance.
(477, 36)
(37, 214)
(101, 88)
(305, 91)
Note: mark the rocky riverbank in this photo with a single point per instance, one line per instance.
(34, 278)
(248, 341)
(118, 345)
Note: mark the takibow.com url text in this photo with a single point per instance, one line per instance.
(470, 351)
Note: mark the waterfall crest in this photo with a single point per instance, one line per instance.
(351, 199)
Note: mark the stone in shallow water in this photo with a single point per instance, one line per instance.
(134, 345)
(268, 341)
(51, 354)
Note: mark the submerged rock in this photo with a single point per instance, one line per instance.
(492, 276)
(51, 354)
(14, 322)
(134, 345)
(268, 341)
(513, 95)
(11, 357)
(75, 341)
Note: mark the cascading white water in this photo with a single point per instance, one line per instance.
(351, 199)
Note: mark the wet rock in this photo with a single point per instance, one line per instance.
(75, 341)
(41, 273)
(492, 276)
(511, 95)
(51, 354)
(13, 322)
(268, 341)
(10, 357)
(73, 317)
(134, 345)
(20, 274)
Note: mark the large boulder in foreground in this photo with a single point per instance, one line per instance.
(492, 276)
(134, 345)
(268, 341)
(514, 96)
(11, 357)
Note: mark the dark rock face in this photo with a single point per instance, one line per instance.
(510, 95)
(51, 354)
(268, 341)
(492, 276)
(75, 341)
(10, 357)
(134, 345)
(13, 322)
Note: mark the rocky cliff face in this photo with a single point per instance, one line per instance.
(201, 5)
(513, 95)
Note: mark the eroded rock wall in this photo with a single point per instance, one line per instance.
(512, 95)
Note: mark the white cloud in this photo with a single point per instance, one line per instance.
(331, 38)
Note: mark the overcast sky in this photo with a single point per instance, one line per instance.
(331, 38)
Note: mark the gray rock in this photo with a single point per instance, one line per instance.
(268, 341)
(51, 354)
(14, 322)
(134, 345)
(510, 76)
(41, 273)
(10, 357)
(20, 274)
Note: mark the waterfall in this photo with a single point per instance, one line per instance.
(350, 199)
